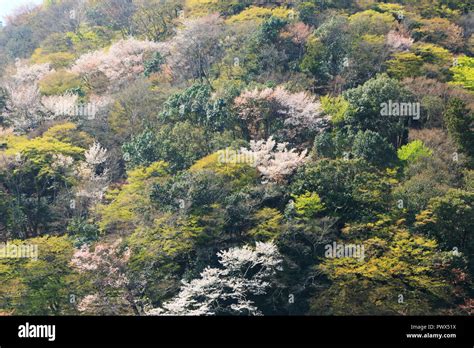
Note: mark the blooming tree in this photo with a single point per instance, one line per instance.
(105, 265)
(121, 63)
(273, 160)
(271, 110)
(298, 32)
(24, 100)
(96, 154)
(30, 73)
(62, 162)
(245, 272)
(24, 103)
(196, 47)
(93, 178)
(399, 40)
(60, 105)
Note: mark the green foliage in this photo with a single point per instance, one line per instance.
(135, 108)
(35, 178)
(57, 60)
(366, 104)
(42, 286)
(162, 254)
(195, 105)
(440, 31)
(180, 145)
(350, 189)
(308, 205)
(428, 60)
(156, 19)
(458, 119)
(336, 107)
(373, 148)
(432, 53)
(59, 82)
(268, 224)
(269, 30)
(201, 7)
(312, 61)
(239, 174)
(306, 12)
(141, 149)
(430, 175)
(463, 72)
(390, 8)
(177, 187)
(334, 144)
(371, 22)
(40, 151)
(326, 50)
(3, 99)
(396, 263)
(54, 43)
(69, 133)
(450, 219)
(82, 231)
(366, 59)
(256, 14)
(190, 104)
(405, 64)
(413, 151)
(154, 64)
(87, 39)
(129, 202)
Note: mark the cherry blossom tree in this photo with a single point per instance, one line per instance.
(120, 64)
(93, 177)
(24, 103)
(246, 272)
(104, 264)
(60, 105)
(273, 160)
(399, 40)
(298, 33)
(196, 47)
(277, 111)
(30, 73)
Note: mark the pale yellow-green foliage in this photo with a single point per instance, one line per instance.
(390, 8)
(269, 224)
(86, 39)
(57, 59)
(404, 64)
(24, 280)
(371, 22)
(59, 82)
(393, 264)
(432, 53)
(413, 151)
(237, 173)
(464, 73)
(308, 205)
(336, 107)
(165, 239)
(259, 14)
(198, 8)
(68, 133)
(40, 146)
(124, 201)
(373, 39)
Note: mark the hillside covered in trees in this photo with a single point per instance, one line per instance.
(211, 157)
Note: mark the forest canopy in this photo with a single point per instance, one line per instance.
(210, 157)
